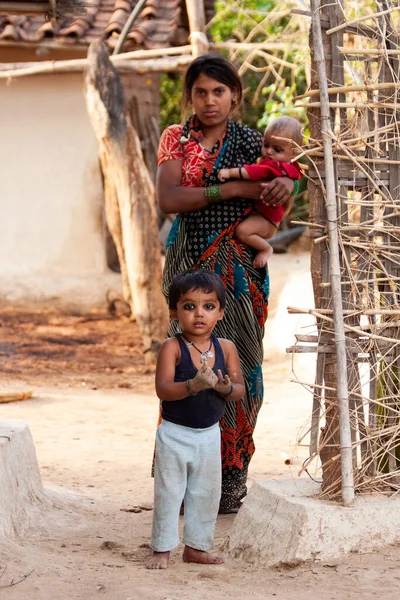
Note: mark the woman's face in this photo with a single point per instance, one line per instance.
(211, 100)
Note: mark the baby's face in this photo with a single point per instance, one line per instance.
(277, 148)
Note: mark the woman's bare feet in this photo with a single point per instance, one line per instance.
(191, 555)
(159, 560)
(261, 258)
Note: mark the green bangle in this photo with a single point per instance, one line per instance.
(213, 194)
(296, 187)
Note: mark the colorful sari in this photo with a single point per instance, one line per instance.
(205, 239)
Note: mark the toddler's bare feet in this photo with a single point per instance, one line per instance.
(191, 555)
(261, 258)
(159, 560)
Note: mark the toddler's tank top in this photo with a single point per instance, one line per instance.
(205, 408)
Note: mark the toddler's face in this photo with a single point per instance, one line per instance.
(198, 312)
(277, 148)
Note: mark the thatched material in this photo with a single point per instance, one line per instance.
(366, 144)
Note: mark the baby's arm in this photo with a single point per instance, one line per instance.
(230, 387)
(166, 387)
(235, 173)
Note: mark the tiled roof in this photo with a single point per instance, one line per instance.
(156, 26)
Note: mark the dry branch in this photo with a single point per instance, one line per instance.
(371, 87)
(360, 19)
(131, 209)
(153, 65)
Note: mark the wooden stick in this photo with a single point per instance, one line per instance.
(362, 105)
(292, 310)
(360, 19)
(159, 65)
(249, 46)
(371, 87)
(126, 28)
(14, 396)
(362, 159)
(372, 51)
(346, 455)
(24, 8)
(124, 56)
(197, 23)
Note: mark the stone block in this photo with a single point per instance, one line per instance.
(20, 484)
(281, 522)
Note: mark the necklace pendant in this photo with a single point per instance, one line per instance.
(205, 355)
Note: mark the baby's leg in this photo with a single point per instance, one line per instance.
(202, 498)
(253, 232)
(169, 489)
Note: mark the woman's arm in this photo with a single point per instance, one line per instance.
(172, 197)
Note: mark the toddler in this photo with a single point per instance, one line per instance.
(282, 140)
(196, 374)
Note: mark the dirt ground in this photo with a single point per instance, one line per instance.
(93, 417)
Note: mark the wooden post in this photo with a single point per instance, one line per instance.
(347, 483)
(131, 197)
(197, 23)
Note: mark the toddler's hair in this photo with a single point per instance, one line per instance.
(286, 127)
(196, 279)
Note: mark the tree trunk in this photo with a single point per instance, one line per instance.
(130, 198)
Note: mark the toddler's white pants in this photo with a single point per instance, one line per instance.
(187, 467)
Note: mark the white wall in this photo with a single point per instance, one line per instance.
(51, 198)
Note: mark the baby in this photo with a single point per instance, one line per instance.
(282, 140)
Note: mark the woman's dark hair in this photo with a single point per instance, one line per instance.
(217, 67)
(196, 279)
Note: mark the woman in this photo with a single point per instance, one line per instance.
(202, 236)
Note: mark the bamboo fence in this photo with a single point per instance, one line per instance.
(363, 101)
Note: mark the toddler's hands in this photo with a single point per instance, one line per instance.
(224, 384)
(205, 379)
(223, 174)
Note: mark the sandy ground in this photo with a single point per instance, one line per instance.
(94, 430)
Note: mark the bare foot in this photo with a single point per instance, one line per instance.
(262, 258)
(191, 555)
(159, 560)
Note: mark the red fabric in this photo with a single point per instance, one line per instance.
(269, 169)
(195, 159)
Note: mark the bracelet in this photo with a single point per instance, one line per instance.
(296, 187)
(188, 388)
(228, 394)
(240, 173)
(213, 194)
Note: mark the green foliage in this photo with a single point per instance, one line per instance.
(171, 93)
(280, 102)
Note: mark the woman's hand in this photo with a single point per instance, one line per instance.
(277, 192)
(244, 189)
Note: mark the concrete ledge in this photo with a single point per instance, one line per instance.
(20, 484)
(280, 522)
(58, 291)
